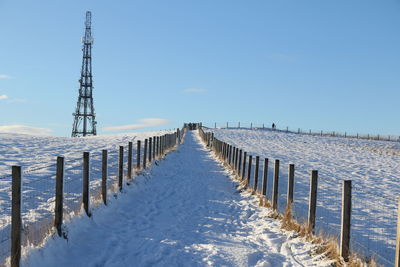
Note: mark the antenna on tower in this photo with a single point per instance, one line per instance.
(84, 116)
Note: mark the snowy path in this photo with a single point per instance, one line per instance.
(184, 212)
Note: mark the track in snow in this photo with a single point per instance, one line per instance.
(184, 212)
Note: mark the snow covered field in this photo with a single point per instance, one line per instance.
(185, 211)
(373, 166)
(37, 156)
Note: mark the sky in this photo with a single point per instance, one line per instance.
(329, 65)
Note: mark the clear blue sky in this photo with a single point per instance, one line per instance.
(330, 65)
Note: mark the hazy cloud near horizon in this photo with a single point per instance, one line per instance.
(23, 129)
(143, 123)
(5, 76)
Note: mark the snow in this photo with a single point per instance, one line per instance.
(184, 211)
(373, 166)
(37, 156)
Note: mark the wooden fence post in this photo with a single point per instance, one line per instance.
(159, 146)
(230, 155)
(265, 177)
(244, 164)
(240, 162)
(58, 210)
(154, 147)
(162, 145)
(138, 155)
(104, 176)
(312, 208)
(346, 218)
(156, 151)
(249, 171)
(236, 159)
(85, 180)
(275, 186)
(223, 151)
(130, 160)
(290, 185)
(226, 152)
(16, 221)
(145, 153)
(233, 157)
(256, 174)
(120, 167)
(150, 148)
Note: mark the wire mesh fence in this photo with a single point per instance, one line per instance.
(374, 224)
(38, 191)
(5, 219)
(373, 215)
(299, 130)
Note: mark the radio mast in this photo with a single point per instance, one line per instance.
(84, 116)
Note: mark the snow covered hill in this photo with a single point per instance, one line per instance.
(37, 156)
(185, 211)
(373, 166)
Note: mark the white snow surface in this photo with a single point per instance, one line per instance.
(373, 167)
(184, 211)
(37, 156)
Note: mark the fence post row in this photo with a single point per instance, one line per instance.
(58, 210)
(85, 181)
(275, 186)
(312, 207)
(16, 222)
(346, 218)
(233, 156)
(159, 144)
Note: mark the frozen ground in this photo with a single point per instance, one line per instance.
(373, 166)
(184, 212)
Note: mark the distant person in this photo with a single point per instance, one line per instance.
(273, 126)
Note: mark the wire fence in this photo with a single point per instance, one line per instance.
(38, 187)
(272, 126)
(373, 215)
